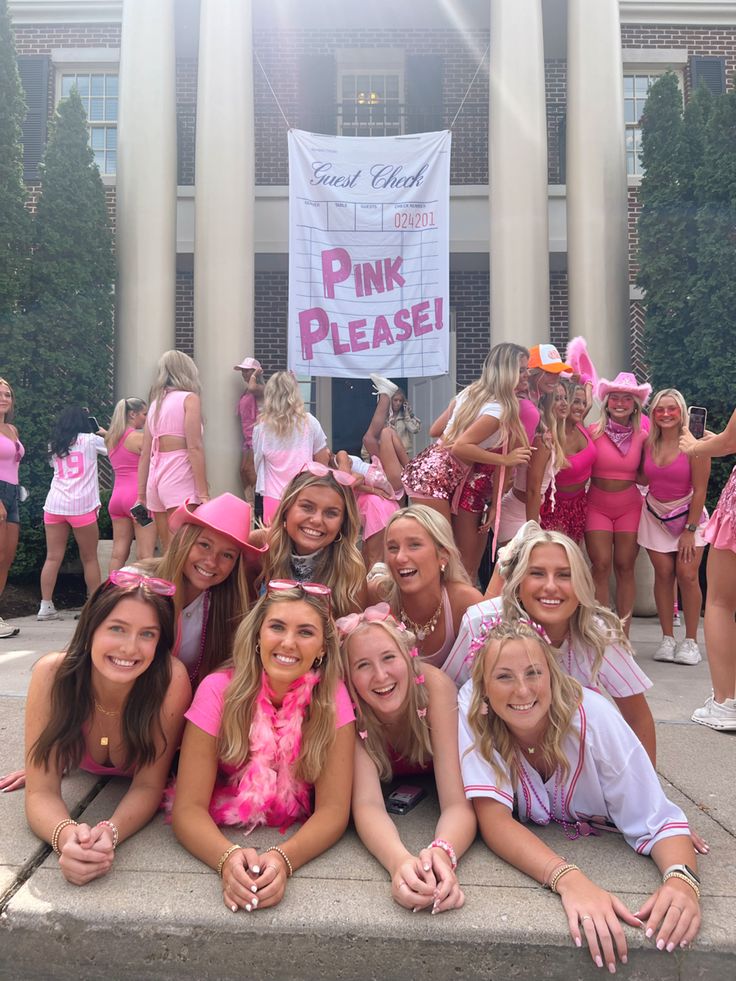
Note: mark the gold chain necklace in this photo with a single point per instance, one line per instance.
(105, 740)
(421, 630)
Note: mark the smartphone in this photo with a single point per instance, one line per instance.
(141, 515)
(94, 425)
(696, 424)
(404, 798)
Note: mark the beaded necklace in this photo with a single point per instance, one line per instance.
(202, 636)
(572, 829)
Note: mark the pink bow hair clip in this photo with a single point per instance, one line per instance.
(372, 614)
(422, 713)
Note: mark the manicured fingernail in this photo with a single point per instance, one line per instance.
(414, 909)
(434, 910)
(248, 907)
(234, 908)
(578, 942)
(624, 959)
(256, 869)
(426, 867)
(254, 888)
(255, 902)
(660, 945)
(684, 943)
(670, 947)
(599, 962)
(611, 968)
(649, 934)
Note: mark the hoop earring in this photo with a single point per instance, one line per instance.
(339, 538)
(318, 661)
(258, 648)
(442, 570)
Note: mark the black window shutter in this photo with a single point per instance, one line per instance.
(562, 147)
(710, 71)
(317, 93)
(424, 101)
(34, 76)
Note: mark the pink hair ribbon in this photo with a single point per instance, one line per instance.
(372, 614)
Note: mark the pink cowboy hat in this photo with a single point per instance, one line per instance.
(226, 514)
(623, 382)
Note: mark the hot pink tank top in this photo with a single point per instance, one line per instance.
(124, 462)
(668, 483)
(611, 464)
(11, 453)
(581, 463)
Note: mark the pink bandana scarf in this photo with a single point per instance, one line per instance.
(620, 436)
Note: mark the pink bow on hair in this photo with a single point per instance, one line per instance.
(489, 623)
(372, 614)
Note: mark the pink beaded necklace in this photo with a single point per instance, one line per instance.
(202, 636)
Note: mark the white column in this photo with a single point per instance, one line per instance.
(517, 164)
(597, 210)
(145, 238)
(224, 236)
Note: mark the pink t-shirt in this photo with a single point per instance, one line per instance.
(278, 460)
(248, 412)
(209, 701)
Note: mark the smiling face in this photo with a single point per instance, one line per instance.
(6, 400)
(546, 591)
(522, 386)
(412, 556)
(547, 381)
(620, 407)
(379, 672)
(124, 644)
(667, 414)
(291, 639)
(561, 406)
(314, 520)
(211, 559)
(577, 406)
(517, 684)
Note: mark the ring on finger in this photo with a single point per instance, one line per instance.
(586, 917)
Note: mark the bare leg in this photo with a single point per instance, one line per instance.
(664, 578)
(56, 536)
(599, 545)
(8, 545)
(373, 549)
(393, 456)
(692, 595)
(438, 504)
(720, 628)
(376, 425)
(145, 541)
(122, 538)
(87, 539)
(161, 519)
(625, 551)
(470, 542)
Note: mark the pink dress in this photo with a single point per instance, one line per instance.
(721, 529)
(125, 489)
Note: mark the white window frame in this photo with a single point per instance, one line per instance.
(653, 63)
(88, 61)
(370, 61)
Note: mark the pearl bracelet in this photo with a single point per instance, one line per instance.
(558, 874)
(282, 853)
(113, 831)
(447, 848)
(57, 831)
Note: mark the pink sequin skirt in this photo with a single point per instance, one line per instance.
(478, 488)
(568, 514)
(721, 529)
(434, 473)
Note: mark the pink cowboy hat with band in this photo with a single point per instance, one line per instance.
(226, 514)
(623, 382)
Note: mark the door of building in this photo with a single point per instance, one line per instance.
(353, 406)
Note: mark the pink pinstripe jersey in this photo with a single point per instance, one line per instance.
(74, 488)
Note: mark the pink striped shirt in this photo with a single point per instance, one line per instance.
(74, 488)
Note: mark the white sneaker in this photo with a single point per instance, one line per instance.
(383, 385)
(7, 629)
(51, 614)
(666, 650)
(717, 715)
(688, 652)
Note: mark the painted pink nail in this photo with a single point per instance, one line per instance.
(599, 961)
(578, 942)
(649, 933)
(660, 945)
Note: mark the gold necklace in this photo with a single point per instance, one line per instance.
(421, 630)
(105, 740)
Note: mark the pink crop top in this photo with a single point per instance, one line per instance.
(11, 453)
(167, 417)
(611, 464)
(581, 463)
(671, 482)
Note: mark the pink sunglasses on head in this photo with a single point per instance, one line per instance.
(320, 470)
(124, 577)
(310, 588)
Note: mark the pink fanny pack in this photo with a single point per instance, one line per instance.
(674, 519)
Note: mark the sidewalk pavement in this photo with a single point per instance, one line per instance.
(160, 915)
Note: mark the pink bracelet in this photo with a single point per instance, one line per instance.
(447, 848)
(113, 831)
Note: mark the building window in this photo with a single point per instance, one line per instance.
(99, 94)
(370, 103)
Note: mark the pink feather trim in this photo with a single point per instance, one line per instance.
(577, 356)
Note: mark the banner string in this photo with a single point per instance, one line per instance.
(276, 98)
(480, 64)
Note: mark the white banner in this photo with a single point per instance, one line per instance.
(369, 255)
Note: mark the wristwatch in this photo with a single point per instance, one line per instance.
(691, 528)
(683, 870)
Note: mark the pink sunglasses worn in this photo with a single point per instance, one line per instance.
(320, 470)
(310, 588)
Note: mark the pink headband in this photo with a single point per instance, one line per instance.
(490, 623)
(372, 614)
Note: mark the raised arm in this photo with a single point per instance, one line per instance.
(709, 446)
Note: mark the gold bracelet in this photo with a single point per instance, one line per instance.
(225, 856)
(57, 831)
(558, 874)
(282, 853)
(685, 878)
(555, 863)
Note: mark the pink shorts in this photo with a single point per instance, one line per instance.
(374, 513)
(614, 510)
(170, 481)
(74, 520)
(478, 488)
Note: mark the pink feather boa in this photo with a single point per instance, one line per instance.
(266, 790)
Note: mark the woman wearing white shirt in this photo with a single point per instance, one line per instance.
(531, 736)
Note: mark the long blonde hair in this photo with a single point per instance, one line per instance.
(491, 733)
(636, 415)
(497, 383)
(439, 530)
(228, 601)
(119, 420)
(175, 372)
(592, 626)
(654, 439)
(554, 426)
(414, 743)
(319, 730)
(340, 565)
(283, 410)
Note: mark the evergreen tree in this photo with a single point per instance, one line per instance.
(14, 218)
(68, 325)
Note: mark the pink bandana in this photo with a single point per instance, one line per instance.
(620, 436)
